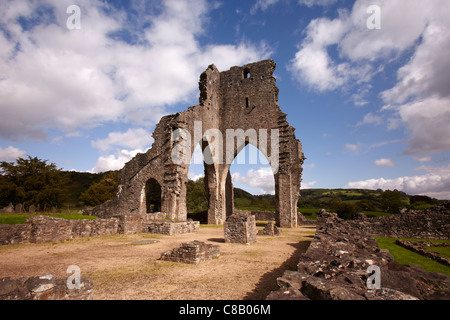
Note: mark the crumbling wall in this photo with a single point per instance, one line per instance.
(432, 223)
(41, 229)
(172, 227)
(243, 100)
(270, 229)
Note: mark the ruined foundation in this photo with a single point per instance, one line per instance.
(270, 230)
(194, 252)
(173, 227)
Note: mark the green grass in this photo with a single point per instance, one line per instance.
(407, 257)
(21, 218)
(443, 251)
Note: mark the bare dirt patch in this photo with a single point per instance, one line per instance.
(127, 266)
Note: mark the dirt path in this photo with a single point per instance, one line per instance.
(123, 270)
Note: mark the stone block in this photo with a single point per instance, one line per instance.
(194, 252)
(240, 228)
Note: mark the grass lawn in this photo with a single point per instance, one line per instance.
(6, 218)
(443, 251)
(407, 257)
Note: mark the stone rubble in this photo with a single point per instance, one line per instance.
(335, 268)
(44, 288)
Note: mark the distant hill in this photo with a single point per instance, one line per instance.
(78, 182)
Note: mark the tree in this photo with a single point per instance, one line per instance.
(196, 200)
(344, 210)
(102, 191)
(391, 201)
(32, 181)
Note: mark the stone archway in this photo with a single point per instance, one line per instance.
(152, 196)
(242, 101)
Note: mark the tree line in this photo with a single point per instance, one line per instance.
(32, 181)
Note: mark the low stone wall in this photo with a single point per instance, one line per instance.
(433, 223)
(194, 252)
(335, 268)
(172, 227)
(39, 229)
(14, 234)
(419, 247)
(50, 229)
(44, 288)
(240, 228)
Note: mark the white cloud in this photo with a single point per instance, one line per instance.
(11, 153)
(114, 161)
(384, 163)
(421, 98)
(132, 139)
(435, 183)
(370, 119)
(77, 79)
(308, 185)
(423, 159)
(262, 5)
(262, 178)
(195, 177)
(352, 147)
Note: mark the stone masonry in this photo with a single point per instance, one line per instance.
(44, 288)
(270, 230)
(194, 252)
(240, 228)
(241, 104)
(335, 268)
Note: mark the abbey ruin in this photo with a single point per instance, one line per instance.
(241, 103)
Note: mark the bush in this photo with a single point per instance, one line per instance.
(345, 210)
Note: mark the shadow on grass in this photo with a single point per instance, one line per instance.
(268, 281)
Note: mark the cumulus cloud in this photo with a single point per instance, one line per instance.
(11, 153)
(114, 161)
(115, 68)
(434, 183)
(262, 178)
(384, 163)
(132, 139)
(420, 99)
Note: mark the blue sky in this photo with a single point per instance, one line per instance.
(371, 106)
